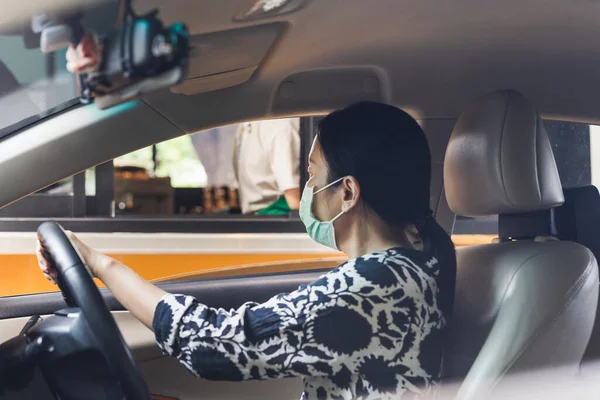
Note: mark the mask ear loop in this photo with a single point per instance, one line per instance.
(337, 216)
(328, 186)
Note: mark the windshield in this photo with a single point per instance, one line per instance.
(32, 82)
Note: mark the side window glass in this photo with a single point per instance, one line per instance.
(250, 168)
(570, 143)
(150, 181)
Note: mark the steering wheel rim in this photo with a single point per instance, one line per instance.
(79, 290)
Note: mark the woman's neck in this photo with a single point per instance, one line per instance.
(369, 237)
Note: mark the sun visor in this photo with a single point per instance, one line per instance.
(223, 59)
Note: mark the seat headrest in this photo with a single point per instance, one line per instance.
(499, 159)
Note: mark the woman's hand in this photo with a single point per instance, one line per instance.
(96, 262)
(134, 293)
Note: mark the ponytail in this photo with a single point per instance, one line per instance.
(438, 243)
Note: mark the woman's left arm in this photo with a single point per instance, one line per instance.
(137, 295)
(255, 341)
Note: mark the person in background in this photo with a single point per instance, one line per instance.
(213, 147)
(266, 164)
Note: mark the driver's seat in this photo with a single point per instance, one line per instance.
(529, 301)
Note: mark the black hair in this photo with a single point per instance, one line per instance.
(386, 151)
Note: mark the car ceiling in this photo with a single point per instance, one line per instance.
(433, 56)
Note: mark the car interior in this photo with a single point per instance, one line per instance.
(478, 76)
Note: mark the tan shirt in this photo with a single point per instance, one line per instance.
(266, 161)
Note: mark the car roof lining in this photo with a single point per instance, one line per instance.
(436, 56)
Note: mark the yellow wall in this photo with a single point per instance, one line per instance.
(19, 274)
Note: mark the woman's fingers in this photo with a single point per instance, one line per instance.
(42, 256)
(91, 259)
(39, 251)
(52, 277)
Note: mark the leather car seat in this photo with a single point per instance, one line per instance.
(527, 302)
(578, 220)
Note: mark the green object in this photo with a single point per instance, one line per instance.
(280, 207)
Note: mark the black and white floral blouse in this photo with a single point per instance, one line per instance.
(369, 329)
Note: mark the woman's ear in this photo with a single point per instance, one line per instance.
(351, 193)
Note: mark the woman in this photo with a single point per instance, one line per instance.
(371, 328)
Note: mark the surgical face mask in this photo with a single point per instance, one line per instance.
(321, 232)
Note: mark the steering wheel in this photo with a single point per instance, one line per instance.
(79, 290)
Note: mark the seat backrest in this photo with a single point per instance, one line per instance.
(528, 302)
(578, 220)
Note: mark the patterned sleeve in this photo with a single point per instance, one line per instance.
(256, 341)
(363, 308)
